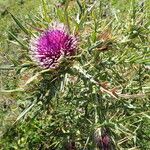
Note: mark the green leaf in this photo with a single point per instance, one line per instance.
(11, 91)
(19, 24)
(18, 40)
(45, 10)
(36, 76)
(25, 111)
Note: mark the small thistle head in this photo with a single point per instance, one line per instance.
(70, 145)
(102, 139)
(51, 45)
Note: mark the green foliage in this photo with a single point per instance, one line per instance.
(103, 91)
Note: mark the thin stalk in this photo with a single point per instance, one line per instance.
(66, 15)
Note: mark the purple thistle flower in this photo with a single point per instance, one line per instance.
(49, 47)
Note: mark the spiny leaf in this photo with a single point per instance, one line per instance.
(45, 10)
(80, 6)
(35, 76)
(19, 24)
(25, 111)
(11, 91)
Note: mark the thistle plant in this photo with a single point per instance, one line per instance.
(82, 77)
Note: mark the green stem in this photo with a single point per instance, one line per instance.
(92, 80)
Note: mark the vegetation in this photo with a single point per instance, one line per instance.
(97, 99)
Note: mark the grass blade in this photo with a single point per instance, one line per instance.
(16, 39)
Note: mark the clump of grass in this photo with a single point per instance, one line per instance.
(98, 101)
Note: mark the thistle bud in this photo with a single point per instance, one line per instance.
(102, 139)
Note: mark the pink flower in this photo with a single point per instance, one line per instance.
(54, 43)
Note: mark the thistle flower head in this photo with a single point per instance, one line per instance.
(102, 139)
(51, 45)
